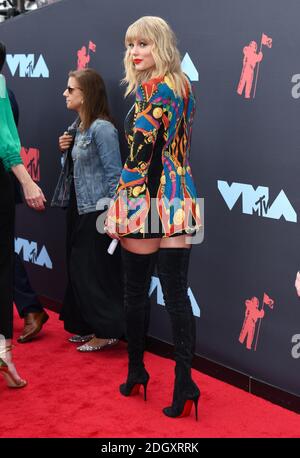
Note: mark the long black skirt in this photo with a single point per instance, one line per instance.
(7, 212)
(93, 302)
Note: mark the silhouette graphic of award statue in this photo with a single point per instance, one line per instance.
(251, 58)
(252, 315)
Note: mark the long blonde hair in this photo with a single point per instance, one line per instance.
(165, 53)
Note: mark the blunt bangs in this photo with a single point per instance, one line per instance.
(138, 31)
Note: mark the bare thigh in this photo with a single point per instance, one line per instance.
(147, 246)
(175, 242)
(140, 246)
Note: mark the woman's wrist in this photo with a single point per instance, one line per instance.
(22, 175)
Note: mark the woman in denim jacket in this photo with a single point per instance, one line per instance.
(93, 305)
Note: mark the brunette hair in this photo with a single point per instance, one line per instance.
(95, 104)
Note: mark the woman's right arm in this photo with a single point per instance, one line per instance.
(149, 114)
(132, 191)
(65, 141)
(10, 155)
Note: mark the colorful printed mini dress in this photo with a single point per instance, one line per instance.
(156, 195)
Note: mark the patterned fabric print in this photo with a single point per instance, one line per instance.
(157, 110)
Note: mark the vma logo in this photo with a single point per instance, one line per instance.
(27, 66)
(257, 201)
(155, 285)
(31, 160)
(29, 253)
(189, 68)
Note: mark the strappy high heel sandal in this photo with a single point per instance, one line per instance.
(11, 379)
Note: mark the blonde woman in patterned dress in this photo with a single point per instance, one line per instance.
(155, 203)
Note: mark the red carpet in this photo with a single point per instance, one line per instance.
(70, 394)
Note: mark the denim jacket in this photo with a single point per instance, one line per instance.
(97, 167)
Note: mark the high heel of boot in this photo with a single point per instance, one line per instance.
(133, 384)
(188, 407)
(182, 407)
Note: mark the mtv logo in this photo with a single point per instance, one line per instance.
(27, 66)
(31, 160)
(256, 201)
(29, 252)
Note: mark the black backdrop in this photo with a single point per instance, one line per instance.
(249, 249)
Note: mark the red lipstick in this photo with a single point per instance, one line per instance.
(137, 61)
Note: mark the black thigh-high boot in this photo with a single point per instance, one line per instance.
(172, 270)
(138, 269)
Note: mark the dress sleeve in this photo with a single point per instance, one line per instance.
(147, 121)
(9, 139)
(132, 199)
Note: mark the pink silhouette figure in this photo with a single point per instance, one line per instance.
(252, 314)
(92, 46)
(251, 58)
(297, 283)
(82, 58)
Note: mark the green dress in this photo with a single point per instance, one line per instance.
(9, 156)
(10, 145)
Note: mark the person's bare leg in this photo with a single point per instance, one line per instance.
(140, 246)
(175, 242)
